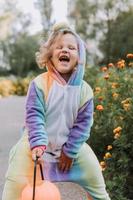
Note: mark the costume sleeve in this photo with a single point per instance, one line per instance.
(80, 131)
(35, 116)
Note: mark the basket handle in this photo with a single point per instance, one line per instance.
(34, 175)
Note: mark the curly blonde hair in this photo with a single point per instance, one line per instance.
(45, 52)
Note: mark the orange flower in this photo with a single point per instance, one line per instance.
(127, 100)
(114, 85)
(97, 89)
(117, 130)
(100, 107)
(106, 77)
(115, 95)
(117, 135)
(108, 155)
(109, 147)
(104, 69)
(126, 106)
(121, 64)
(103, 165)
(110, 65)
(130, 64)
(100, 98)
(129, 55)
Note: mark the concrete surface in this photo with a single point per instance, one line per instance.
(11, 121)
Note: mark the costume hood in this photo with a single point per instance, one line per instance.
(77, 75)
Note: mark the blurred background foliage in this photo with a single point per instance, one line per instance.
(106, 26)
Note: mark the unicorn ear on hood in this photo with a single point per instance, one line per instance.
(60, 25)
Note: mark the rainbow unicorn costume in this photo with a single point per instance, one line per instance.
(58, 115)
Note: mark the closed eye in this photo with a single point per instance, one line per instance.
(72, 48)
(59, 47)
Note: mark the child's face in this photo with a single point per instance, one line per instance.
(65, 53)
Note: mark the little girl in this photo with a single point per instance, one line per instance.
(59, 116)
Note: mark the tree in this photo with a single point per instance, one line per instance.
(21, 54)
(45, 7)
(12, 20)
(17, 47)
(120, 41)
(93, 20)
(81, 14)
(7, 10)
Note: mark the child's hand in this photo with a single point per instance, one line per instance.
(37, 152)
(65, 163)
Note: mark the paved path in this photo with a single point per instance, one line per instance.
(11, 121)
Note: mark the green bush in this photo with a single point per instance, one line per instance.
(15, 86)
(21, 85)
(6, 87)
(112, 132)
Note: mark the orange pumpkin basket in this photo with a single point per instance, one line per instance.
(44, 191)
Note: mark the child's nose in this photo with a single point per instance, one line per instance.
(64, 49)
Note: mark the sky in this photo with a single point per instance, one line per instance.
(59, 12)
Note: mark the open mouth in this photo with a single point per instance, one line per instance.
(64, 58)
